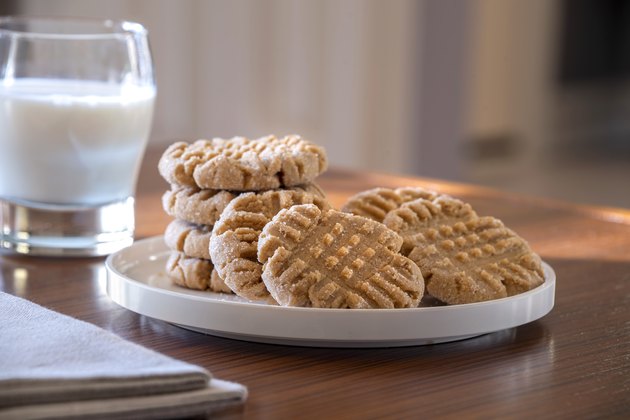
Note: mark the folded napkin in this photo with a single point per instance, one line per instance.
(55, 366)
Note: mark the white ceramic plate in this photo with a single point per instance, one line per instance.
(137, 281)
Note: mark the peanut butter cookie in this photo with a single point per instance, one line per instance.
(241, 164)
(202, 207)
(188, 238)
(464, 258)
(330, 259)
(194, 273)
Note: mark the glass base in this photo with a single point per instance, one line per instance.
(65, 230)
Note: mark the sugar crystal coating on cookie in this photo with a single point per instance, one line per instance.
(464, 258)
(330, 259)
(234, 241)
(241, 164)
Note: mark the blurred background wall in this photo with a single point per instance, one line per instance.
(529, 96)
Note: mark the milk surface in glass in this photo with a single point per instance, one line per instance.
(72, 142)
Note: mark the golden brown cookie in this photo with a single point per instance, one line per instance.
(464, 258)
(377, 202)
(188, 238)
(241, 164)
(330, 259)
(202, 207)
(194, 273)
(234, 242)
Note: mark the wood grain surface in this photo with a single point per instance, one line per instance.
(573, 363)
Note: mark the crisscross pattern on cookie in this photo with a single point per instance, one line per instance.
(194, 273)
(464, 258)
(234, 242)
(336, 260)
(193, 240)
(410, 219)
(377, 202)
(241, 164)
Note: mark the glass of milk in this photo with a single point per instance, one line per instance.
(76, 104)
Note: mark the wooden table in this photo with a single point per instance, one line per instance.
(574, 362)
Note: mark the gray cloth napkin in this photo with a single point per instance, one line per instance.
(55, 366)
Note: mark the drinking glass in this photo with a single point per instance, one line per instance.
(76, 104)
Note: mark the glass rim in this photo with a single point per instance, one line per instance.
(100, 28)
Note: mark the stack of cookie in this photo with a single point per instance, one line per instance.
(233, 187)
(250, 220)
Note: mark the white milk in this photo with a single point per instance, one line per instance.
(69, 142)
